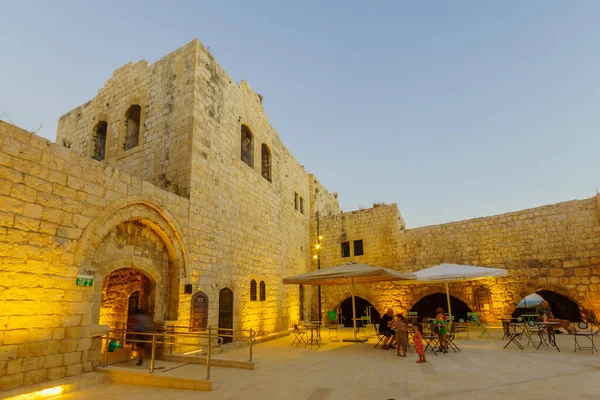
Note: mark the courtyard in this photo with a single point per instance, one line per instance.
(340, 370)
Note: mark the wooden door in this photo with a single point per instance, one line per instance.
(199, 317)
(226, 313)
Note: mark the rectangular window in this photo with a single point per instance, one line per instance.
(301, 205)
(296, 200)
(345, 249)
(358, 248)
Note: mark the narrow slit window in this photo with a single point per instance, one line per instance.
(296, 201)
(266, 162)
(301, 205)
(132, 127)
(100, 140)
(247, 146)
(263, 291)
(252, 290)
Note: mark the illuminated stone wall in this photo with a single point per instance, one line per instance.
(182, 208)
(554, 247)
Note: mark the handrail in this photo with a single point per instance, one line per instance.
(251, 334)
(160, 338)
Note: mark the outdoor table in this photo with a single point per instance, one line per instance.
(549, 327)
(314, 333)
(528, 317)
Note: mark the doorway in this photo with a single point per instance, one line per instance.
(226, 314)
(124, 291)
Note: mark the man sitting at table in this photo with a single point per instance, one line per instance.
(544, 310)
(385, 328)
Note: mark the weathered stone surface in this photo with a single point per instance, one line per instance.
(185, 207)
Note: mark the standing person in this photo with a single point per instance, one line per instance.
(418, 340)
(440, 326)
(544, 310)
(385, 328)
(401, 335)
(141, 323)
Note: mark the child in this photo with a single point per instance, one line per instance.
(401, 335)
(440, 322)
(418, 340)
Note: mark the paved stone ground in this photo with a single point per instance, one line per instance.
(338, 370)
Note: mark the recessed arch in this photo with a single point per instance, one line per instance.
(135, 207)
(427, 305)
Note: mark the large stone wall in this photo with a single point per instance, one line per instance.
(165, 91)
(554, 247)
(65, 214)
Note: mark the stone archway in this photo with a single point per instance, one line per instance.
(133, 233)
(427, 305)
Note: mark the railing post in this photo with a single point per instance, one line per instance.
(208, 355)
(153, 352)
(251, 340)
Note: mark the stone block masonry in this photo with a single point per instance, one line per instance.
(145, 217)
(172, 175)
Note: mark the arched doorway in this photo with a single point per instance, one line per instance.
(562, 307)
(427, 305)
(361, 310)
(124, 291)
(199, 317)
(226, 313)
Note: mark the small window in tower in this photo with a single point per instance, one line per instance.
(252, 290)
(301, 205)
(247, 145)
(345, 249)
(296, 201)
(263, 291)
(100, 140)
(358, 248)
(132, 127)
(265, 155)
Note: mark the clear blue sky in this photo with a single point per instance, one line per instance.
(452, 109)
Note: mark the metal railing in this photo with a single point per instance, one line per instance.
(239, 334)
(176, 336)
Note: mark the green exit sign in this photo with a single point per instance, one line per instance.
(84, 280)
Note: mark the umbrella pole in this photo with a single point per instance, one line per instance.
(355, 338)
(353, 308)
(448, 299)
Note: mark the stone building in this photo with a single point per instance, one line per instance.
(170, 192)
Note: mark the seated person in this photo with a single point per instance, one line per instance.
(385, 328)
(544, 310)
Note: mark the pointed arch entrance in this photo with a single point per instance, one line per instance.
(123, 292)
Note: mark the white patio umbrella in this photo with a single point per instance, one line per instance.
(448, 273)
(349, 274)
